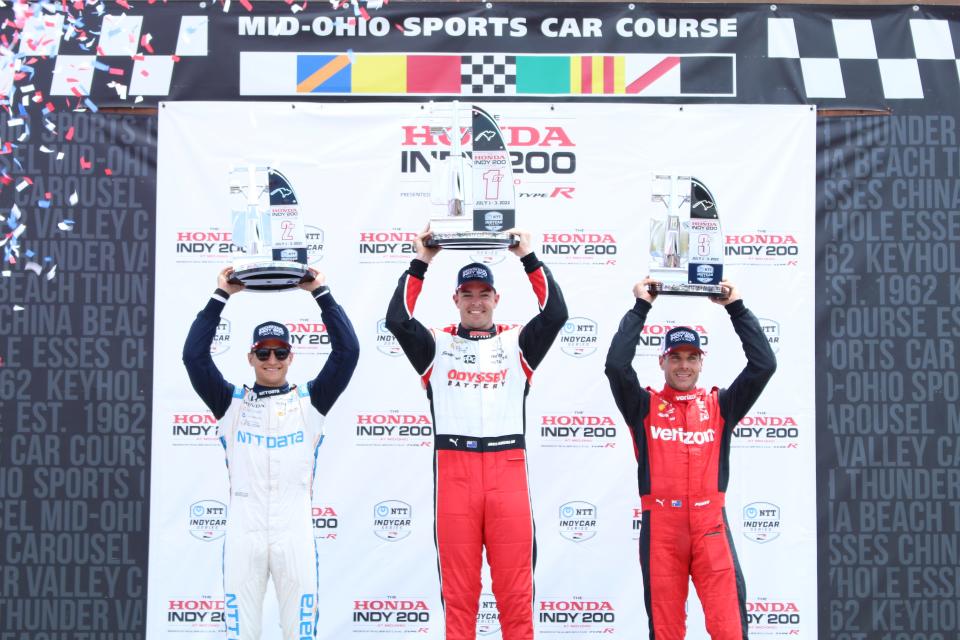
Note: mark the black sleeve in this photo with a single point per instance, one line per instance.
(538, 334)
(415, 339)
(736, 400)
(632, 399)
(337, 371)
(206, 379)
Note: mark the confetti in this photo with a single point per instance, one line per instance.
(52, 273)
(69, 135)
(66, 225)
(17, 307)
(34, 267)
(84, 163)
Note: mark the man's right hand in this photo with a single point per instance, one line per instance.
(223, 281)
(642, 289)
(424, 252)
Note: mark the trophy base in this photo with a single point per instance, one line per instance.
(686, 289)
(269, 275)
(471, 240)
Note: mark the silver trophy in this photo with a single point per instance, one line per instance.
(268, 227)
(472, 191)
(686, 244)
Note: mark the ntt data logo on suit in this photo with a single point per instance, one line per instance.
(761, 521)
(766, 431)
(392, 520)
(198, 614)
(578, 520)
(394, 429)
(576, 614)
(773, 617)
(208, 520)
(578, 431)
(385, 246)
(488, 616)
(578, 337)
(391, 614)
(193, 429)
(580, 247)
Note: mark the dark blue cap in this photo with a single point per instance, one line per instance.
(271, 331)
(475, 272)
(680, 338)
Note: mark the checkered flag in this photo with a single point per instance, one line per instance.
(491, 74)
(854, 62)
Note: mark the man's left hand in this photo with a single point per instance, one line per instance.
(524, 246)
(315, 283)
(732, 293)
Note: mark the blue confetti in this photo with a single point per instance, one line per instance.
(101, 66)
(30, 253)
(90, 105)
(43, 204)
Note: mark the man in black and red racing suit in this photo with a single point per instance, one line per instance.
(477, 375)
(681, 436)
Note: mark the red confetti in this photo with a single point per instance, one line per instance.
(139, 57)
(28, 180)
(47, 196)
(84, 164)
(50, 107)
(69, 135)
(246, 5)
(175, 58)
(144, 73)
(123, 3)
(145, 43)
(116, 72)
(108, 172)
(99, 50)
(363, 12)
(76, 92)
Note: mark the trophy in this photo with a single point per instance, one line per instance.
(686, 245)
(267, 226)
(472, 191)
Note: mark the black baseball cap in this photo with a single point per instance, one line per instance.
(475, 272)
(268, 331)
(681, 338)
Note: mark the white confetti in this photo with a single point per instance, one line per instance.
(23, 185)
(66, 225)
(74, 198)
(6, 273)
(14, 122)
(60, 156)
(33, 266)
(52, 273)
(17, 307)
(26, 88)
(44, 149)
(19, 231)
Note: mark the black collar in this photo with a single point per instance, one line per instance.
(264, 392)
(476, 334)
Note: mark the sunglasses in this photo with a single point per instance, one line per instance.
(263, 354)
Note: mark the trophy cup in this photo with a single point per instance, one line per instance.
(686, 245)
(473, 192)
(267, 226)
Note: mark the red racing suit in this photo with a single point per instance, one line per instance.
(682, 444)
(477, 382)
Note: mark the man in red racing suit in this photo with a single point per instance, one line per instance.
(477, 375)
(681, 436)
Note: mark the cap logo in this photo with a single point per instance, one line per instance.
(682, 336)
(473, 272)
(270, 330)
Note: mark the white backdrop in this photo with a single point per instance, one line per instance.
(584, 194)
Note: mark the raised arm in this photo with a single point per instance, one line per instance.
(631, 398)
(204, 376)
(339, 367)
(538, 334)
(415, 339)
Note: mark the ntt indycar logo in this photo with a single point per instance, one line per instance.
(386, 342)
(761, 521)
(771, 331)
(193, 430)
(221, 339)
(580, 247)
(385, 246)
(208, 520)
(761, 248)
(579, 336)
(488, 616)
(198, 614)
(578, 520)
(391, 614)
(577, 614)
(392, 520)
(765, 431)
(578, 431)
(394, 429)
(652, 336)
(773, 617)
(315, 243)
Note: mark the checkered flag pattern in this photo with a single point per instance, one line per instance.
(858, 63)
(494, 74)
